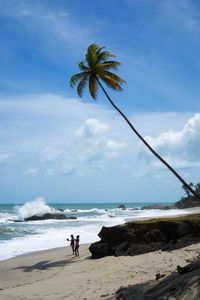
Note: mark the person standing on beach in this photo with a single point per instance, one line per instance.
(72, 243)
(77, 246)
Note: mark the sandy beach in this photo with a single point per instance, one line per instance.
(56, 274)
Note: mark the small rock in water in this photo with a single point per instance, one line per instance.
(122, 206)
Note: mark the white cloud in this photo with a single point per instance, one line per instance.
(49, 20)
(180, 148)
(91, 128)
(112, 145)
(5, 156)
(31, 172)
(88, 149)
(74, 137)
(50, 153)
(68, 170)
(94, 146)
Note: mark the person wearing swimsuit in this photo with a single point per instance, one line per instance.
(72, 241)
(77, 246)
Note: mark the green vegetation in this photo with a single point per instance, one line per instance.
(95, 69)
(187, 191)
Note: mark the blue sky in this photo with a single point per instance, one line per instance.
(65, 149)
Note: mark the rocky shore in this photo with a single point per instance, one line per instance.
(141, 237)
(57, 274)
(185, 202)
(47, 216)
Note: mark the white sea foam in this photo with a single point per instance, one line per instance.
(5, 217)
(91, 210)
(26, 237)
(36, 207)
(47, 239)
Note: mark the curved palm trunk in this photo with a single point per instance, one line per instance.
(148, 146)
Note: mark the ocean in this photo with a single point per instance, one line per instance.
(18, 238)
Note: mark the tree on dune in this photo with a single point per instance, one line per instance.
(95, 70)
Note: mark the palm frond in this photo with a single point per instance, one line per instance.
(76, 77)
(93, 86)
(112, 80)
(91, 56)
(82, 84)
(100, 49)
(82, 67)
(111, 83)
(112, 76)
(104, 55)
(110, 64)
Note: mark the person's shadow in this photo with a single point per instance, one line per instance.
(46, 264)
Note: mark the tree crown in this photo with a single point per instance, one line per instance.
(97, 65)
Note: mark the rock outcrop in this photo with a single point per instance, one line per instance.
(185, 202)
(159, 206)
(135, 238)
(47, 216)
(123, 207)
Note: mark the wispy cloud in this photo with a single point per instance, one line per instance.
(185, 12)
(95, 146)
(61, 136)
(48, 20)
(31, 172)
(88, 149)
(5, 156)
(180, 148)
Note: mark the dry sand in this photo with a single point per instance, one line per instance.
(56, 274)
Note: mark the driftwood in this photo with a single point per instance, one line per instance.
(190, 267)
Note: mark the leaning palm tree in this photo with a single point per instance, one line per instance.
(97, 68)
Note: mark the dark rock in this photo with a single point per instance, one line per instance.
(60, 209)
(187, 202)
(135, 238)
(99, 250)
(154, 235)
(122, 207)
(159, 206)
(183, 229)
(47, 216)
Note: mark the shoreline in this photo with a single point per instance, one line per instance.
(186, 211)
(57, 274)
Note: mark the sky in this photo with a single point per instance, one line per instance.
(65, 149)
